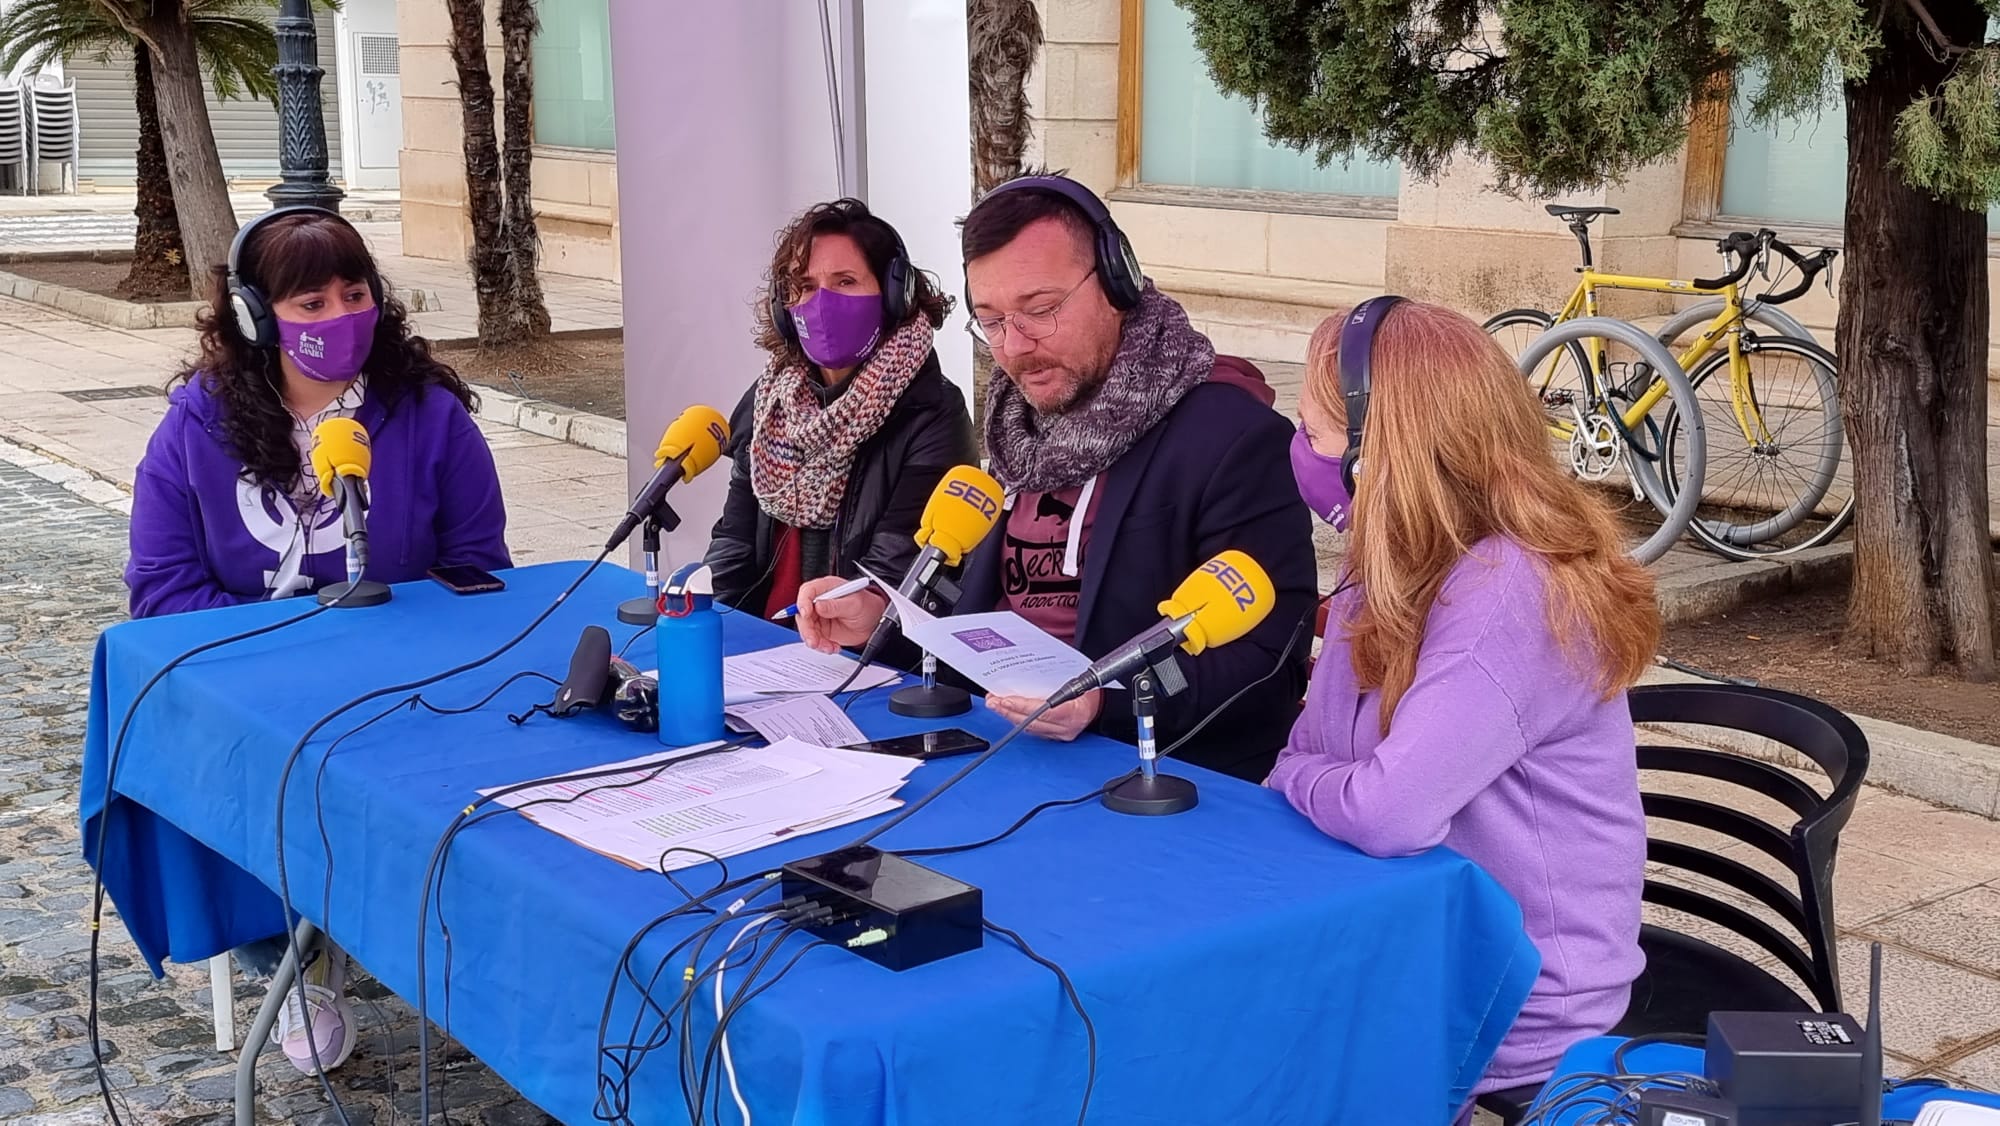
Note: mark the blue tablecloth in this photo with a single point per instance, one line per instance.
(1593, 1056)
(1239, 966)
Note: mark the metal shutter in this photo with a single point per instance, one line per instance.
(246, 131)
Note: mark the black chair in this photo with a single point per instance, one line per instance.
(1686, 978)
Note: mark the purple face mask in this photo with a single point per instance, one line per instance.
(1320, 482)
(838, 330)
(330, 351)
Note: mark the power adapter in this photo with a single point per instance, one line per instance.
(1787, 1069)
(1684, 1108)
(885, 908)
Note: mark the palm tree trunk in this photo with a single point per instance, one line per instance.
(159, 264)
(187, 139)
(1003, 40)
(491, 276)
(518, 25)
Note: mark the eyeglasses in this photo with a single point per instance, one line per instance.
(1036, 324)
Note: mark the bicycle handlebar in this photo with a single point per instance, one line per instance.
(1809, 269)
(1744, 245)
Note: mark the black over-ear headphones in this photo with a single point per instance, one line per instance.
(898, 281)
(249, 304)
(1118, 272)
(1357, 341)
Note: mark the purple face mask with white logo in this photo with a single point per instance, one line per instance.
(1321, 483)
(331, 351)
(838, 330)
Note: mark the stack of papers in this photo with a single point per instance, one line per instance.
(718, 805)
(811, 719)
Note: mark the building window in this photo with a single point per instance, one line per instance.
(1791, 170)
(573, 74)
(1194, 135)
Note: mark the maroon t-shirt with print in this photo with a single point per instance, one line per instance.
(1032, 583)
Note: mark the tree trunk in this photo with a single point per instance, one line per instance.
(201, 195)
(491, 280)
(1912, 346)
(159, 265)
(1003, 40)
(518, 25)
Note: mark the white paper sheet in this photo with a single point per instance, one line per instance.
(1000, 651)
(720, 804)
(811, 719)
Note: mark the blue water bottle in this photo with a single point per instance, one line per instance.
(689, 637)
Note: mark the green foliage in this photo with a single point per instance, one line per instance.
(1949, 144)
(1568, 94)
(233, 38)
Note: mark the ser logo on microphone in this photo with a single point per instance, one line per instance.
(1232, 581)
(718, 432)
(973, 495)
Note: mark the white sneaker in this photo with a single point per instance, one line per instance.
(325, 1021)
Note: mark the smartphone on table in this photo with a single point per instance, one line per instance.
(927, 745)
(465, 579)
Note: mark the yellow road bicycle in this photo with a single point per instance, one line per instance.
(1772, 479)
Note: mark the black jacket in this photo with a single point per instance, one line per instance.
(894, 472)
(1214, 474)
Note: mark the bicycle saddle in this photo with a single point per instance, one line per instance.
(1568, 212)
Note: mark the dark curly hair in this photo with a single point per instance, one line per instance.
(286, 256)
(879, 244)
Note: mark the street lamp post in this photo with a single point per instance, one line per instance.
(301, 126)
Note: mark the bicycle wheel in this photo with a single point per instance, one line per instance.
(1561, 382)
(1784, 486)
(1600, 435)
(1775, 321)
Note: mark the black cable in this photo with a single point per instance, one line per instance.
(1277, 667)
(434, 874)
(1058, 803)
(750, 990)
(112, 759)
(1622, 1051)
(1075, 1002)
(298, 749)
(978, 760)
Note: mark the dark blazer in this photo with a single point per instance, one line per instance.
(927, 432)
(1214, 474)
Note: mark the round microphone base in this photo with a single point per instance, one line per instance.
(934, 701)
(1152, 797)
(367, 592)
(639, 612)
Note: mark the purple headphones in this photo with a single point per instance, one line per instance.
(1117, 267)
(1357, 341)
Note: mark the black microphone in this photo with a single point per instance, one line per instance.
(589, 673)
(340, 460)
(353, 502)
(691, 444)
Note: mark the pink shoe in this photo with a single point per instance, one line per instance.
(326, 1021)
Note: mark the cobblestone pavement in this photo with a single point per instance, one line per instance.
(60, 563)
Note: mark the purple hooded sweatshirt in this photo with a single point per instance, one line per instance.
(202, 536)
(1504, 751)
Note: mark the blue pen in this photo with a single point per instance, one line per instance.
(842, 591)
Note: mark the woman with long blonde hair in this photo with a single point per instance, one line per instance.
(1471, 691)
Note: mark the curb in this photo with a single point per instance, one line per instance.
(1728, 585)
(111, 312)
(99, 309)
(578, 428)
(1941, 769)
(99, 491)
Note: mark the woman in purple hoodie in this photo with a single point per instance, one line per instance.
(226, 509)
(1471, 691)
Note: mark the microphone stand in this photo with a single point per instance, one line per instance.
(1150, 793)
(646, 611)
(931, 700)
(356, 591)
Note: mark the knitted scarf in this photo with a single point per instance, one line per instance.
(801, 451)
(1160, 358)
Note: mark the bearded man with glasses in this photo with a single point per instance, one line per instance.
(1131, 453)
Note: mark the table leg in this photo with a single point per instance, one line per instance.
(222, 1001)
(260, 1029)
